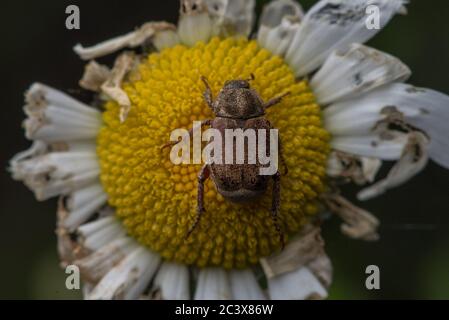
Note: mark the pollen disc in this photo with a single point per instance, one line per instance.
(156, 200)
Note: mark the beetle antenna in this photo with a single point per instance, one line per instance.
(251, 77)
(276, 100)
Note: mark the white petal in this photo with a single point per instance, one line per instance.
(172, 281)
(279, 22)
(232, 17)
(333, 24)
(96, 265)
(55, 173)
(370, 146)
(244, 285)
(166, 39)
(425, 109)
(359, 116)
(98, 233)
(129, 279)
(82, 204)
(86, 289)
(83, 146)
(335, 165)
(194, 24)
(213, 284)
(38, 148)
(354, 71)
(54, 116)
(297, 285)
(413, 160)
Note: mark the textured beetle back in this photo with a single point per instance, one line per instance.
(238, 103)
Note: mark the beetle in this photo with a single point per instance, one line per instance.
(238, 106)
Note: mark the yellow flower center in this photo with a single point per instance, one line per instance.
(156, 200)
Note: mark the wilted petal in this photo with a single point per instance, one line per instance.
(130, 40)
(100, 232)
(279, 23)
(424, 109)
(331, 25)
(371, 146)
(360, 170)
(358, 223)
(94, 76)
(82, 204)
(49, 174)
(113, 85)
(413, 160)
(195, 23)
(356, 70)
(166, 39)
(53, 116)
(129, 279)
(232, 17)
(300, 251)
(302, 270)
(97, 264)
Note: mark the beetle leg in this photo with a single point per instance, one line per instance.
(202, 177)
(276, 206)
(208, 93)
(172, 143)
(275, 101)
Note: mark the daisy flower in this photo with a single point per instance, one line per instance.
(124, 208)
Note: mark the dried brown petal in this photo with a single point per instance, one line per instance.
(96, 265)
(358, 223)
(130, 40)
(112, 87)
(412, 161)
(94, 76)
(321, 267)
(360, 170)
(69, 250)
(299, 252)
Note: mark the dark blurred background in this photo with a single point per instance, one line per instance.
(412, 253)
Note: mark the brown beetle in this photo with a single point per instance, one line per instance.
(238, 107)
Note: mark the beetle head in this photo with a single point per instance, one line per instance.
(236, 84)
(238, 101)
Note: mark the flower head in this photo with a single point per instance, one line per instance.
(125, 208)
